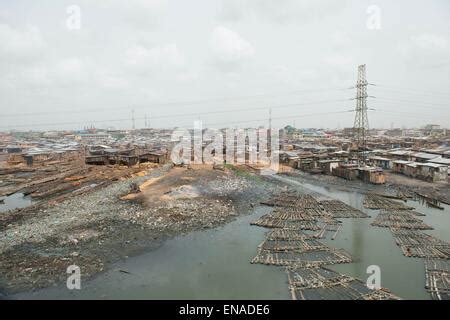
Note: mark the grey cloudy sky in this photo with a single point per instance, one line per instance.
(223, 61)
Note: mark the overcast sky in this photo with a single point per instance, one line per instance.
(224, 62)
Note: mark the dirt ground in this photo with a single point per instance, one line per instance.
(93, 229)
(402, 180)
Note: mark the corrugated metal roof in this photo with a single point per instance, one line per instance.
(440, 160)
(433, 165)
(425, 155)
(401, 161)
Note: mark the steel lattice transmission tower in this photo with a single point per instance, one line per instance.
(361, 124)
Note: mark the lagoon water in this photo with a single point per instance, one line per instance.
(215, 263)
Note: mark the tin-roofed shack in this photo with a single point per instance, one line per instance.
(153, 156)
(423, 156)
(380, 162)
(102, 155)
(327, 166)
(432, 172)
(443, 161)
(404, 155)
(347, 171)
(398, 166)
(290, 158)
(372, 175)
(411, 169)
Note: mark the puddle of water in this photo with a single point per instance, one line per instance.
(14, 201)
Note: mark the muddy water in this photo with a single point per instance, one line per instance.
(371, 245)
(210, 264)
(214, 264)
(14, 201)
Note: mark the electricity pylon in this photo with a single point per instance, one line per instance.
(361, 124)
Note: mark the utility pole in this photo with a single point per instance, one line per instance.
(132, 119)
(361, 124)
(270, 118)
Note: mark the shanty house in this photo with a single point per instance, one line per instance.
(153, 156)
(381, 162)
(423, 156)
(443, 161)
(327, 166)
(401, 155)
(432, 172)
(411, 169)
(289, 157)
(371, 175)
(346, 171)
(398, 166)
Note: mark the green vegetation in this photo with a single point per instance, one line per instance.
(242, 172)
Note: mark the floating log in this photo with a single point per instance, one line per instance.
(372, 201)
(301, 245)
(302, 253)
(399, 219)
(339, 209)
(287, 234)
(271, 222)
(304, 259)
(434, 205)
(321, 283)
(437, 278)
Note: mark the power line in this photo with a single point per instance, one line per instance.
(283, 117)
(407, 105)
(187, 114)
(174, 103)
(405, 113)
(415, 102)
(397, 88)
